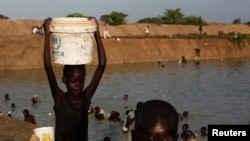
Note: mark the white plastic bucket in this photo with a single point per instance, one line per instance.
(72, 40)
(45, 133)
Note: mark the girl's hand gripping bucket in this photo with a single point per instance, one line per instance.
(72, 40)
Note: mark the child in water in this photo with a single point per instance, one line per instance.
(203, 131)
(71, 107)
(187, 134)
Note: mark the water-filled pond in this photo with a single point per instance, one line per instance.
(215, 92)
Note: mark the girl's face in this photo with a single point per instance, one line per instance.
(74, 81)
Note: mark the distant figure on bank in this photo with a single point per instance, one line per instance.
(200, 32)
(38, 30)
(200, 27)
(28, 117)
(197, 52)
(156, 120)
(147, 30)
(35, 30)
(6, 97)
(106, 31)
(187, 134)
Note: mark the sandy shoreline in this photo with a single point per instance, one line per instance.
(15, 130)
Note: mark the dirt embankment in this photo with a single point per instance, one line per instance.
(15, 130)
(19, 48)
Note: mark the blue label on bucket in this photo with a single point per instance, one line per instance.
(58, 53)
(56, 42)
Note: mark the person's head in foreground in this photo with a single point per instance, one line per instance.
(156, 120)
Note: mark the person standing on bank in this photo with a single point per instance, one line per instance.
(200, 27)
(147, 30)
(71, 107)
(106, 31)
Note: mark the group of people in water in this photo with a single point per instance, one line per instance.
(156, 120)
(146, 112)
(26, 114)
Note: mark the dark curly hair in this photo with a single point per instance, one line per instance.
(67, 68)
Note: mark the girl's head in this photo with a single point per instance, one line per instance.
(73, 77)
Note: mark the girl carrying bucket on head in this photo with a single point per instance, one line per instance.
(71, 107)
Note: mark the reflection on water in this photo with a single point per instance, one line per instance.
(216, 92)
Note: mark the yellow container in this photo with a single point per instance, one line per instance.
(45, 133)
